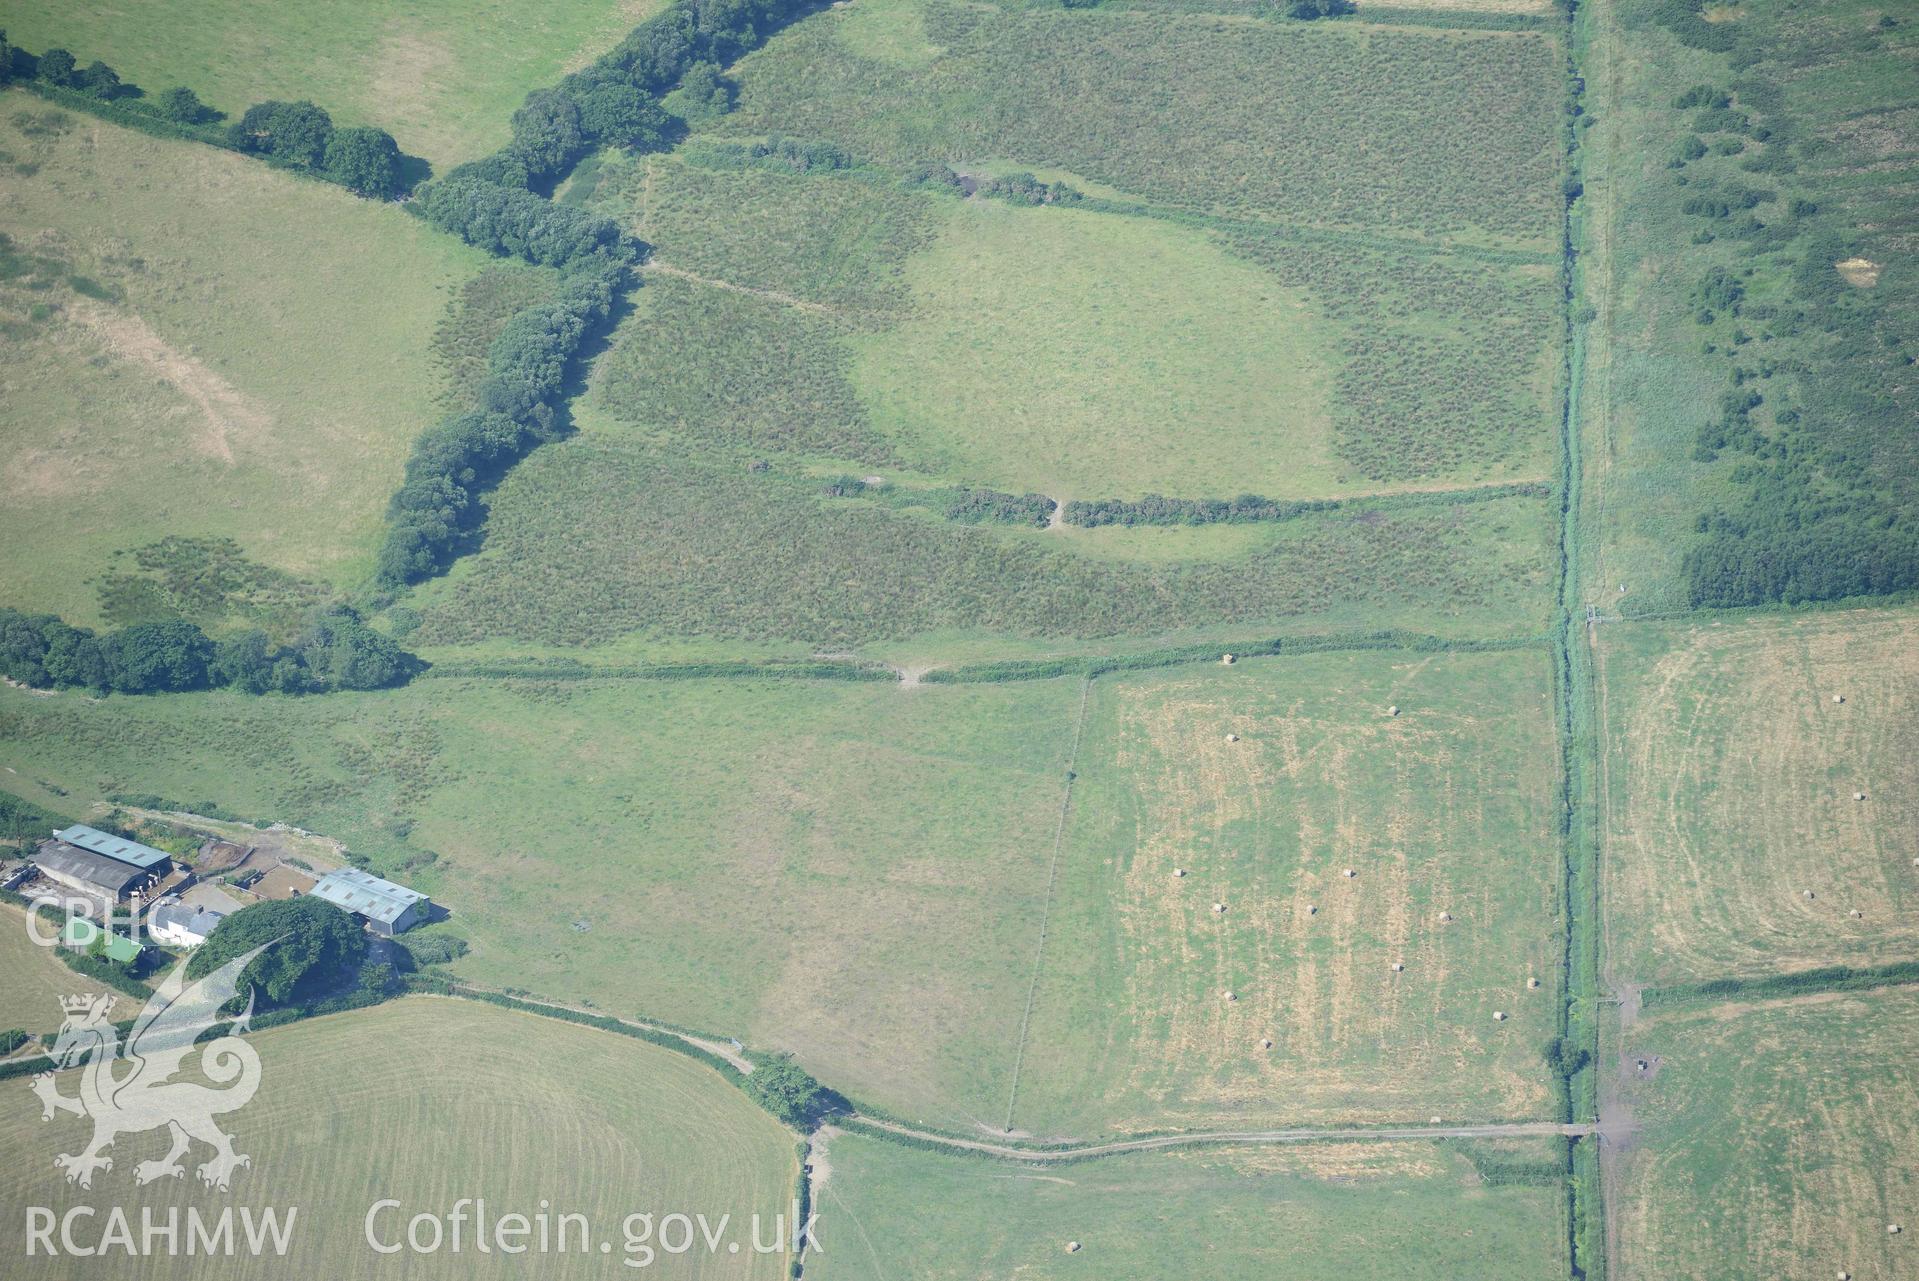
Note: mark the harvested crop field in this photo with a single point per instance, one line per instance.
(1736, 845)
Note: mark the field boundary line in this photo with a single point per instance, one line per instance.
(1815, 982)
(1046, 909)
(1070, 1153)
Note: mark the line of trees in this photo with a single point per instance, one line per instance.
(297, 135)
(336, 651)
(519, 407)
(498, 203)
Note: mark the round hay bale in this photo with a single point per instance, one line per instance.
(1228, 996)
(1838, 698)
(1858, 796)
(1072, 1247)
(1445, 916)
(1219, 907)
(1265, 1042)
(1531, 984)
(1393, 710)
(1232, 738)
(1179, 871)
(1227, 659)
(1844, 1275)
(1398, 968)
(1312, 909)
(1499, 1016)
(1435, 1121)
(1856, 914)
(1811, 895)
(1893, 1229)
(1349, 873)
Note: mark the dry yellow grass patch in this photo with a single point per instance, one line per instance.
(1860, 273)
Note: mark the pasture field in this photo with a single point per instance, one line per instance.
(596, 538)
(443, 77)
(180, 362)
(1458, 127)
(36, 979)
(1368, 1212)
(1441, 811)
(1067, 352)
(1084, 352)
(430, 1100)
(1773, 1140)
(1730, 777)
(850, 871)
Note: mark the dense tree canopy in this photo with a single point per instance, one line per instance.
(312, 946)
(364, 160)
(296, 132)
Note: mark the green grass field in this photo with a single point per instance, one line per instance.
(850, 871)
(1438, 810)
(1773, 1140)
(442, 77)
(232, 380)
(1730, 778)
(1067, 352)
(1359, 1211)
(857, 872)
(1457, 127)
(35, 978)
(430, 1100)
(1080, 352)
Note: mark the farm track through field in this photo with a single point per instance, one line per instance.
(1046, 910)
(653, 266)
(1224, 1138)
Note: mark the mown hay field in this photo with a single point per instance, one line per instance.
(1264, 783)
(35, 977)
(443, 77)
(1369, 1212)
(428, 1101)
(854, 872)
(1730, 777)
(199, 345)
(1773, 1140)
(1424, 132)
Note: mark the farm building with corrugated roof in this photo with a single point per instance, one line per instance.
(386, 908)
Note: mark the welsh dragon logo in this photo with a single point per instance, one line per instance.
(147, 1097)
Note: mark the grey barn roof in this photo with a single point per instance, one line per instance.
(114, 847)
(367, 895)
(85, 865)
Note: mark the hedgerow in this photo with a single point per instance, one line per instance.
(1831, 978)
(296, 136)
(517, 407)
